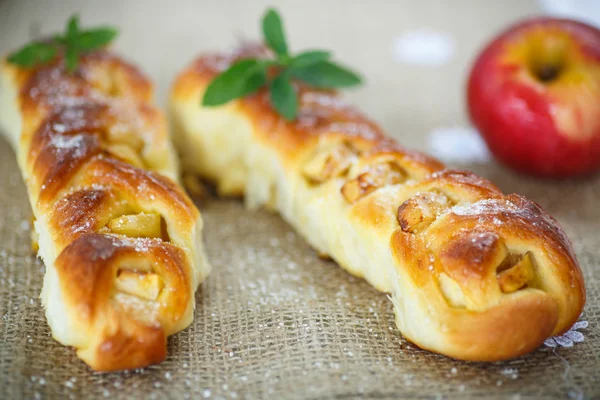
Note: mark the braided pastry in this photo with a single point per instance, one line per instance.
(474, 274)
(120, 240)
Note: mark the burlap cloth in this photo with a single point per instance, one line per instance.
(273, 320)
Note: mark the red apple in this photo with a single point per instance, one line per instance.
(534, 94)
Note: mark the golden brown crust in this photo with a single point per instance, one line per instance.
(490, 275)
(321, 113)
(89, 147)
(505, 331)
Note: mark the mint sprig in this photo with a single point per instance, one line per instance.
(74, 42)
(247, 76)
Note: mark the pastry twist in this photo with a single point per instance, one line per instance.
(120, 240)
(474, 274)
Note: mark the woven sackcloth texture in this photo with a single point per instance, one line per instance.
(273, 320)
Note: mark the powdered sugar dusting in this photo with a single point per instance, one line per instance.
(486, 206)
(67, 142)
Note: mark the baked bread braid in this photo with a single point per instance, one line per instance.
(474, 274)
(120, 240)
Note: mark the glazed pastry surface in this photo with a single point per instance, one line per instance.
(473, 273)
(120, 240)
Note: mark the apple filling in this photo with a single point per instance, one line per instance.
(137, 290)
(420, 211)
(137, 294)
(126, 154)
(138, 225)
(373, 178)
(107, 80)
(124, 144)
(452, 291)
(142, 225)
(137, 287)
(145, 285)
(330, 162)
(515, 272)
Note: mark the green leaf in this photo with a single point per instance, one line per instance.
(33, 54)
(71, 59)
(254, 82)
(247, 76)
(72, 29)
(325, 74)
(73, 42)
(242, 78)
(309, 57)
(283, 97)
(59, 40)
(273, 32)
(96, 38)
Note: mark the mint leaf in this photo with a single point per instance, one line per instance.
(96, 38)
(72, 43)
(32, 54)
(327, 75)
(309, 57)
(254, 81)
(247, 76)
(72, 29)
(283, 97)
(71, 56)
(241, 79)
(273, 32)
(59, 40)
